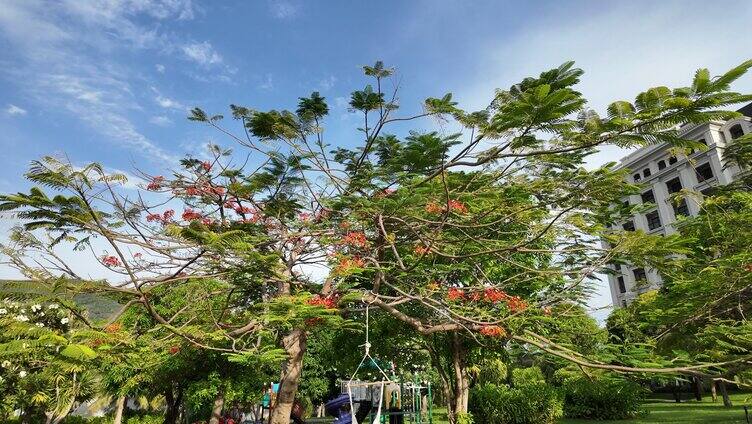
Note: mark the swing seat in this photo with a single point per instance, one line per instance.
(345, 419)
(332, 407)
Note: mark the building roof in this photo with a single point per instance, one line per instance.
(640, 153)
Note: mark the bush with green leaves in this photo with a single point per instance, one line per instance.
(602, 398)
(527, 376)
(533, 403)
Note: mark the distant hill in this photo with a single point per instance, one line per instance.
(98, 307)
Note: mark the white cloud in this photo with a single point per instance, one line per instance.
(161, 121)
(327, 83)
(267, 83)
(168, 103)
(282, 9)
(15, 110)
(160, 68)
(202, 53)
(75, 70)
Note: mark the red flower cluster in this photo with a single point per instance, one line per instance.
(492, 331)
(346, 264)
(204, 190)
(311, 322)
(748, 267)
(434, 208)
(163, 219)
(174, 350)
(454, 206)
(156, 183)
(516, 304)
(327, 302)
(304, 216)
(113, 328)
(191, 215)
(490, 294)
(322, 215)
(422, 250)
(457, 206)
(547, 311)
(207, 166)
(207, 221)
(494, 295)
(455, 294)
(237, 207)
(385, 192)
(253, 219)
(110, 261)
(355, 239)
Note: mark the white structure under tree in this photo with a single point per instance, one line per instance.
(663, 174)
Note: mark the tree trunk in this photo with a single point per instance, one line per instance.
(446, 382)
(698, 388)
(219, 404)
(173, 401)
(724, 394)
(119, 406)
(295, 346)
(461, 380)
(713, 392)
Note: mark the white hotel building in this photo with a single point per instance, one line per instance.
(662, 174)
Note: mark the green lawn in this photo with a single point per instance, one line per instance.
(667, 411)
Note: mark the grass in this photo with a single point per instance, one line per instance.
(668, 412)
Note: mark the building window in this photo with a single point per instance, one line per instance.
(708, 191)
(622, 287)
(646, 172)
(661, 164)
(672, 160)
(648, 197)
(628, 226)
(636, 177)
(674, 186)
(639, 274)
(736, 131)
(681, 209)
(654, 220)
(704, 172)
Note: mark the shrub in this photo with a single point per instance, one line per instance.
(530, 403)
(465, 418)
(493, 371)
(602, 398)
(527, 376)
(145, 419)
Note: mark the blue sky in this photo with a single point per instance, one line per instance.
(111, 80)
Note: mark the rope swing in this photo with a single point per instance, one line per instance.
(381, 384)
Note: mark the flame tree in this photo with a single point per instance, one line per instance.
(472, 235)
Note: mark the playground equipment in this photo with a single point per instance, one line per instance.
(394, 401)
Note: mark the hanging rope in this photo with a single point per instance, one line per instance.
(367, 355)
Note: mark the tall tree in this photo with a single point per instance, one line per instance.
(477, 232)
